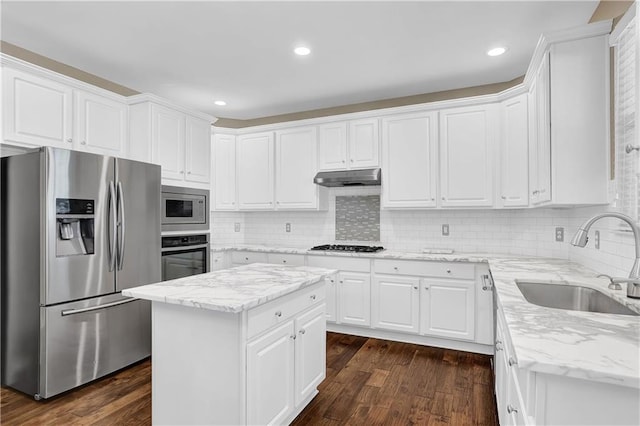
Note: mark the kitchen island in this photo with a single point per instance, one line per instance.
(244, 345)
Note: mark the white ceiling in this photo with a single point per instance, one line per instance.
(196, 52)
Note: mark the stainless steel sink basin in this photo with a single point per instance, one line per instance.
(571, 297)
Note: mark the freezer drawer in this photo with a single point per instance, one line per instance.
(91, 338)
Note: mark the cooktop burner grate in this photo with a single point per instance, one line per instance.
(349, 248)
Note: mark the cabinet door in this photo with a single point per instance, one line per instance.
(167, 130)
(467, 137)
(447, 308)
(363, 144)
(223, 167)
(514, 176)
(354, 303)
(331, 313)
(101, 124)
(296, 165)
(395, 303)
(540, 152)
(500, 370)
(332, 147)
(254, 162)
(409, 161)
(37, 111)
(197, 150)
(310, 355)
(270, 376)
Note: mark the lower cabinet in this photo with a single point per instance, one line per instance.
(396, 303)
(331, 301)
(354, 290)
(285, 366)
(448, 308)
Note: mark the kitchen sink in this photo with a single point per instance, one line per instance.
(571, 297)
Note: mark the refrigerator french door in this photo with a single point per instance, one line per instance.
(77, 228)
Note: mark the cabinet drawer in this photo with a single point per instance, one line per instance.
(340, 263)
(246, 257)
(282, 309)
(286, 259)
(425, 268)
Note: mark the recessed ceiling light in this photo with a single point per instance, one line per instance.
(496, 51)
(220, 103)
(302, 51)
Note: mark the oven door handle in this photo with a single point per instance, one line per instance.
(182, 248)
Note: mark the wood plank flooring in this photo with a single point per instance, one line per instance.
(369, 381)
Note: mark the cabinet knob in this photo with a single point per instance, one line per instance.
(511, 409)
(233, 203)
(341, 282)
(503, 197)
(395, 268)
(426, 288)
(70, 140)
(331, 281)
(415, 287)
(433, 199)
(278, 314)
(83, 142)
(188, 173)
(181, 172)
(448, 271)
(343, 161)
(536, 192)
(512, 361)
(284, 261)
(293, 336)
(313, 297)
(352, 160)
(246, 258)
(302, 331)
(498, 345)
(444, 199)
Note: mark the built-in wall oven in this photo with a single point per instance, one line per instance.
(185, 209)
(184, 255)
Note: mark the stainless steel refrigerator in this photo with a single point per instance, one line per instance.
(76, 229)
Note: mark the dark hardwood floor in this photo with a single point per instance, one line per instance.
(369, 381)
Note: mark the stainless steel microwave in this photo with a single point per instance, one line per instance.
(185, 209)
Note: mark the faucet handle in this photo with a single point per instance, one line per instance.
(614, 283)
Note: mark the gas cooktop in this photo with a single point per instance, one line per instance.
(349, 248)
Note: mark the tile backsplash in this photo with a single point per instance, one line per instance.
(358, 217)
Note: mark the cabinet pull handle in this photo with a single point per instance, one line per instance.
(293, 336)
(499, 345)
(395, 268)
(512, 361)
(278, 313)
(70, 140)
(302, 331)
(503, 197)
(426, 288)
(511, 409)
(486, 282)
(313, 297)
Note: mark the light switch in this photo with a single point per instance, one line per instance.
(445, 229)
(287, 227)
(236, 227)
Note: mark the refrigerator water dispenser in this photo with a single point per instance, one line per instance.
(75, 227)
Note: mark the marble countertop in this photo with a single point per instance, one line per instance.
(585, 345)
(232, 290)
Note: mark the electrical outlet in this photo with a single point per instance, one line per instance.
(597, 240)
(445, 229)
(287, 227)
(236, 227)
(559, 234)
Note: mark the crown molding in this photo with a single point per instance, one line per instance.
(622, 25)
(148, 97)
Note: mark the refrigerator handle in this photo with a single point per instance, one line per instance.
(112, 226)
(121, 226)
(95, 308)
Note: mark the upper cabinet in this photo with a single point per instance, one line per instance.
(467, 141)
(38, 111)
(255, 171)
(295, 166)
(514, 145)
(179, 142)
(569, 99)
(223, 169)
(409, 160)
(349, 145)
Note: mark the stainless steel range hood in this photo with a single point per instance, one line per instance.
(364, 177)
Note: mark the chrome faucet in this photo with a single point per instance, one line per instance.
(580, 240)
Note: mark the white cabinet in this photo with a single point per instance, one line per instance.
(177, 141)
(295, 166)
(354, 291)
(39, 111)
(409, 160)
(270, 376)
(349, 145)
(36, 111)
(540, 135)
(255, 172)
(448, 308)
(310, 352)
(395, 303)
(101, 124)
(223, 169)
(514, 146)
(467, 141)
(331, 298)
(569, 112)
